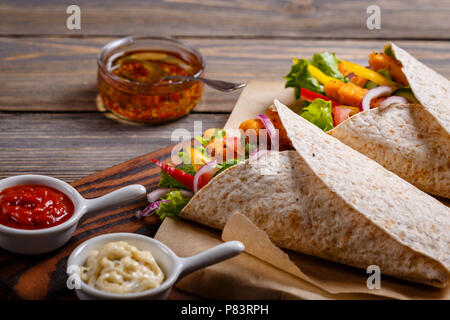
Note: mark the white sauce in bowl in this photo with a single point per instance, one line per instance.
(118, 267)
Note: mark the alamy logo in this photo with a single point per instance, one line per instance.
(373, 22)
(74, 280)
(73, 21)
(374, 280)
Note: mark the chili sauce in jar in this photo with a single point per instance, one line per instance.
(130, 78)
(31, 207)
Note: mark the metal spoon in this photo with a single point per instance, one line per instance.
(216, 84)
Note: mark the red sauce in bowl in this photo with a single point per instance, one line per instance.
(32, 206)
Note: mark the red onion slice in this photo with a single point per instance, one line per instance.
(157, 194)
(350, 76)
(273, 134)
(392, 100)
(376, 92)
(150, 209)
(186, 193)
(204, 174)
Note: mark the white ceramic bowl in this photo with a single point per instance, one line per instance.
(48, 239)
(174, 267)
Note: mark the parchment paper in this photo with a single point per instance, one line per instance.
(265, 271)
(242, 277)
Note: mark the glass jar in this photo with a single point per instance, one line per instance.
(129, 78)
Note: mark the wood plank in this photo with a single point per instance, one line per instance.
(71, 146)
(44, 276)
(59, 74)
(415, 19)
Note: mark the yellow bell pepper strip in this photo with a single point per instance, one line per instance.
(319, 75)
(316, 73)
(198, 159)
(366, 73)
(353, 111)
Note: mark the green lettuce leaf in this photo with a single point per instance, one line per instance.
(370, 85)
(407, 93)
(319, 113)
(388, 52)
(173, 207)
(228, 164)
(328, 64)
(385, 73)
(299, 77)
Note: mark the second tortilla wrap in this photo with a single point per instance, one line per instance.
(327, 200)
(412, 141)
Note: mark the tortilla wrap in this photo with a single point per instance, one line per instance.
(327, 200)
(410, 140)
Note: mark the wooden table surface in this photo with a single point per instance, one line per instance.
(49, 123)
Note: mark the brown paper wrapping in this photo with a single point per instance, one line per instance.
(242, 277)
(264, 271)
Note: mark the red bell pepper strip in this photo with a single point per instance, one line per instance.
(310, 96)
(180, 176)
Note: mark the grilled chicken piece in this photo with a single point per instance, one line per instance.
(252, 127)
(345, 93)
(359, 81)
(379, 61)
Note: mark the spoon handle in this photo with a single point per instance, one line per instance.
(216, 84)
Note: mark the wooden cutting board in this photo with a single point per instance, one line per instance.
(44, 276)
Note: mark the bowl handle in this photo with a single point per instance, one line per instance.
(117, 197)
(211, 256)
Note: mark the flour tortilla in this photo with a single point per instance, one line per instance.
(412, 141)
(327, 200)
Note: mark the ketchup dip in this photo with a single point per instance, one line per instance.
(32, 206)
